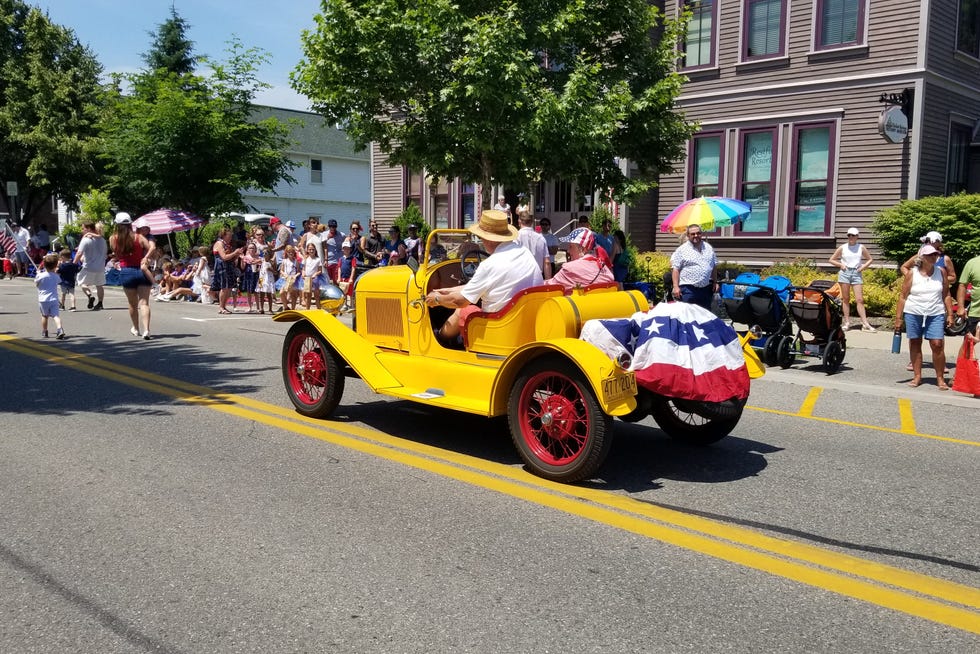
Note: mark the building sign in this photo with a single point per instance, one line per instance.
(893, 124)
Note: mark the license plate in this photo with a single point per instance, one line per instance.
(618, 387)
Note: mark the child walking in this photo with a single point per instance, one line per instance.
(250, 274)
(68, 271)
(267, 281)
(289, 275)
(47, 295)
(312, 269)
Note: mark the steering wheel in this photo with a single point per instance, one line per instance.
(470, 261)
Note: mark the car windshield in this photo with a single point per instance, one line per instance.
(447, 244)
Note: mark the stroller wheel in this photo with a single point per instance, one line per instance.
(784, 352)
(833, 356)
(771, 351)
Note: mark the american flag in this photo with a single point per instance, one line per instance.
(7, 242)
(679, 350)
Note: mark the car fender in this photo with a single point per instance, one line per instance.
(359, 354)
(594, 364)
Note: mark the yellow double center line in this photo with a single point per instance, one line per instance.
(934, 599)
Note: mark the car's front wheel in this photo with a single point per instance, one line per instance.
(312, 371)
(556, 422)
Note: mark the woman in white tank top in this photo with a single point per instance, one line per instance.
(926, 307)
(852, 259)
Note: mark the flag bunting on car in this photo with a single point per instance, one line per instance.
(679, 350)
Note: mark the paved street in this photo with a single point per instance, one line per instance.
(163, 496)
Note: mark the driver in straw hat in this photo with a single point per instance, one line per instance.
(509, 269)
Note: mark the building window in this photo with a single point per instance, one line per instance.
(706, 165)
(467, 204)
(441, 189)
(765, 25)
(563, 197)
(840, 23)
(958, 164)
(316, 171)
(812, 181)
(413, 187)
(757, 175)
(698, 47)
(540, 191)
(968, 28)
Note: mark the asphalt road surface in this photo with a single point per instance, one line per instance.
(163, 496)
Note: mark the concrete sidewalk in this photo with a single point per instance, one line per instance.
(882, 340)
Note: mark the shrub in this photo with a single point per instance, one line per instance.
(411, 215)
(899, 228)
(799, 271)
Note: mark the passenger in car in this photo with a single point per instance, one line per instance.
(509, 269)
(583, 267)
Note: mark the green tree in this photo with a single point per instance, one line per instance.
(50, 103)
(515, 91)
(172, 50)
(188, 141)
(957, 217)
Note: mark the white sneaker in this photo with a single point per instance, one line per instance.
(135, 332)
(146, 336)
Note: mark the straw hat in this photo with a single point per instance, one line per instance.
(494, 226)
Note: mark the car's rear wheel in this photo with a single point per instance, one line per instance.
(556, 422)
(312, 371)
(696, 423)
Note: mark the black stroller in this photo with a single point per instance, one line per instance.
(820, 320)
(752, 301)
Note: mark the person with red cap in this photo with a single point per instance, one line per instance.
(583, 267)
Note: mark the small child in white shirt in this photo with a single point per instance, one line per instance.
(47, 295)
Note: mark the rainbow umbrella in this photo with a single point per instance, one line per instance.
(710, 212)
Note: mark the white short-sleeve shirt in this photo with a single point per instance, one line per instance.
(510, 269)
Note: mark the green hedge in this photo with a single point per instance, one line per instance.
(957, 217)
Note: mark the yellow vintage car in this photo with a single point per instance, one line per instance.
(560, 393)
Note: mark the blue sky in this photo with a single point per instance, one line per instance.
(117, 31)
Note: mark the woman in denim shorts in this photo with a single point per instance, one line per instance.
(852, 259)
(926, 307)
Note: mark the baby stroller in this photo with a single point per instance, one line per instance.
(752, 301)
(817, 313)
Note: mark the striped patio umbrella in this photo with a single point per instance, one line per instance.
(710, 212)
(167, 221)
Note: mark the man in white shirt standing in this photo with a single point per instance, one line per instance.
(692, 269)
(509, 269)
(535, 243)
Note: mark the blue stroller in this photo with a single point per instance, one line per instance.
(753, 301)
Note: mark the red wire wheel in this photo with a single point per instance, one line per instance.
(556, 422)
(312, 371)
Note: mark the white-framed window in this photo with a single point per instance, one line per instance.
(316, 171)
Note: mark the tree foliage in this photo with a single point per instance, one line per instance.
(513, 91)
(186, 141)
(898, 229)
(50, 102)
(171, 51)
